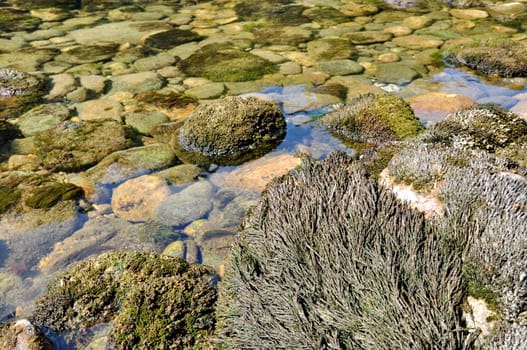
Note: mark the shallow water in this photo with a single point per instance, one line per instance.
(34, 247)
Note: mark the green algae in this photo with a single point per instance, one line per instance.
(49, 195)
(218, 63)
(8, 198)
(12, 20)
(374, 118)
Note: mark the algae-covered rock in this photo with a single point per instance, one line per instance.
(88, 54)
(232, 130)
(42, 117)
(8, 197)
(221, 63)
(75, 146)
(18, 90)
(506, 58)
(282, 35)
(13, 20)
(156, 301)
(374, 118)
(171, 38)
(48, 195)
(487, 127)
(281, 12)
(329, 257)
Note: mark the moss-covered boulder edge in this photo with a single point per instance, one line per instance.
(154, 301)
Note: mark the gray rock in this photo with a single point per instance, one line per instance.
(207, 91)
(137, 82)
(186, 206)
(42, 117)
(395, 73)
(339, 67)
(99, 109)
(145, 121)
(154, 62)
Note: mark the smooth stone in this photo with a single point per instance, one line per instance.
(154, 62)
(27, 59)
(99, 109)
(62, 85)
(50, 14)
(128, 163)
(416, 22)
(87, 54)
(55, 67)
(269, 55)
(469, 13)
(185, 50)
(215, 245)
(95, 83)
(137, 82)
(80, 94)
(388, 58)
(137, 199)
(369, 37)
(339, 67)
(417, 42)
(398, 30)
(180, 174)
(42, 34)
(520, 108)
(24, 146)
(255, 175)
(511, 8)
(23, 162)
(395, 73)
(207, 91)
(190, 204)
(42, 117)
(244, 87)
(117, 32)
(290, 68)
(301, 58)
(340, 30)
(143, 122)
(176, 249)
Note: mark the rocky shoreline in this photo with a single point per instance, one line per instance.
(155, 126)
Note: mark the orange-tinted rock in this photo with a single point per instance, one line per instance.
(257, 174)
(433, 106)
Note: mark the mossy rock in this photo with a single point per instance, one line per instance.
(171, 38)
(156, 301)
(374, 119)
(229, 130)
(8, 197)
(49, 195)
(488, 127)
(13, 20)
(88, 54)
(506, 58)
(280, 12)
(282, 35)
(218, 63)
(77, 146)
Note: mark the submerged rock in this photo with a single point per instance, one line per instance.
(171, 38)
(373, 118)
(231, 130)
(13, 20)
(225, 64)
(506, 58)
(76, 146)
(155, 301)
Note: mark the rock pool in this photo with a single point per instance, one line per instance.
(92, 93)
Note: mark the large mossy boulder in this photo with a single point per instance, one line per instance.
(155, 301)
(225, 63)
(506, 58)
(18, 91)
(328, 259)
(371, 118)
(76, 146)
(230, 131)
